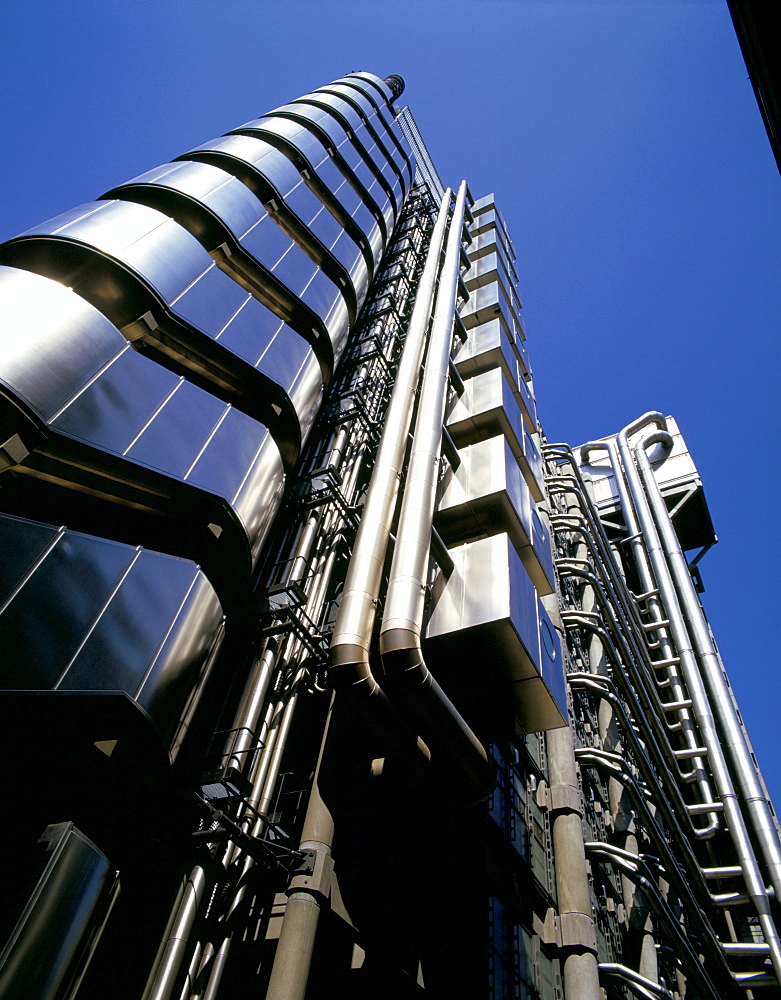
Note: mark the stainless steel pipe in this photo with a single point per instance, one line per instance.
(733, 735)
(649, 586)
(696, 688)
(349, 657)
(400, 635)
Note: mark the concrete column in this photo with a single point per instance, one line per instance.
(307, 895)
(578, 936)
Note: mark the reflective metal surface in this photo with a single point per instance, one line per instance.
(349, 159)
(320, 171)
(320, 107)
(488, 302)
(487, 495)
(410, 682)
(380, 96)
(493, 267)
(681, 486)
(84, 613)
(375, 124)
(489, 346)
(49, 947)
(489, 242)
(51, 340)
(489, 407)
(77, 373)
(204, 297)
(486, 622)
(219, 209)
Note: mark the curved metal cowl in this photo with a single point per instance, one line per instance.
(158, 285)
(85, 416)
(225, 215)
(396, 84)
(257, 162)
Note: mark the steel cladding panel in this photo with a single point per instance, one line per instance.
(355, 95)
(541, 570)
(488, 346)
(488, 615)
(490, 268)
(51, 340)
(486, 495)
(69, 902)
(489, 242)
(486, 408)
(489, 301)
(541, 702)
(490, 603)
(222, 193)
(84, 613)
(134, 408)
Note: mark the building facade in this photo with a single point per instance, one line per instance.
(324, 672)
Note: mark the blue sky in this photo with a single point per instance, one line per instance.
(626, 150)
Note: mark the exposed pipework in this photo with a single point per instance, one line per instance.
(349, 658)
(648, 584)
(732, 733)
(588, 757)
(639, 985)
(636, 870)
(409, 679)
(702, 709)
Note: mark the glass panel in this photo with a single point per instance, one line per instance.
(267, 242)
(111, 410)
(176, 434)
(284, 356)
(229, 455)
(48, 619)
(210, 301)
(249, 332)
(120, 649)
(22, 543)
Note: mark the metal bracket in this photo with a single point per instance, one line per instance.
(266, 853)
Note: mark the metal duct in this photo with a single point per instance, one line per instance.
(702, 708)
(402, 657)
(732, 733)
(648, 585)
(349, 656)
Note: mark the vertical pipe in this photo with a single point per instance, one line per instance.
(579, 942)
(290, 972)
(354, 624)
(163, 980)
(423, 699)
(648, 584)
(702, 708)
(733, 736)
(353, 628)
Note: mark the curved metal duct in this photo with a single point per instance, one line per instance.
(349, 656)
(732, 733)
(702, 708)
(402, 657)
